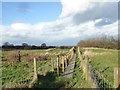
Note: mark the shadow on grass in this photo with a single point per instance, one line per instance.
(51, 80)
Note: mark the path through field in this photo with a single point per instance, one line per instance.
(69, 71)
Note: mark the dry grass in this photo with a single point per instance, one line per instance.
(90, 53)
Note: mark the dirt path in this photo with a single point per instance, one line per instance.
(70, 69)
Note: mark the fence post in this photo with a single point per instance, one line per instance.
(58, 65)
(35, 78)
(44, 70)
(86, 70)
(52, 65)
(19, 56)
(65, 61)
(79, 56)
(70, 56)
(79, 52)
(116, 83)
(62, 63)
(72, 53)
(35, 69)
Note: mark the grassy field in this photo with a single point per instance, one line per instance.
(19, 74)
(104, 61)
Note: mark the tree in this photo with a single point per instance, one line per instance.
(8, 44)
(25, 44)
(43, 45)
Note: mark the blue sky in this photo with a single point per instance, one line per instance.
(30, 12)
(57, 23)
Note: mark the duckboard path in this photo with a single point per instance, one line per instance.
(70, 69)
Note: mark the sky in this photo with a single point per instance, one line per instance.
(57, 23)
(30, 12)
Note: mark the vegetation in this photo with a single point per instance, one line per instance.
(102, 42)
(104, 61)
(16, 74)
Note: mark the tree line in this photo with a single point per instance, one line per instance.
(107, 42)
(9, 46)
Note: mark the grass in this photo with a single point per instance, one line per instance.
(105, 60)
(11, 56)
(15, 74)
(51, 80)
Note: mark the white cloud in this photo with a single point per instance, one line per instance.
(20, 26)
(63, 30)
(98, 20)
(74, 6)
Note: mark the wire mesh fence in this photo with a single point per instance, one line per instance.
(97, 77)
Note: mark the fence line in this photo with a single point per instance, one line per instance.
(62, 59)
(91, 74)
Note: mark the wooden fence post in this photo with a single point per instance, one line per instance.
(44, 70)
(35, 69)
(35, 78)
(58, 65)
(62, 63)
(52, 64)
(116, 79)
(70, 57)
(79, 52)
(19, 56)
(65, 61)
(86, 70)
(72, 53)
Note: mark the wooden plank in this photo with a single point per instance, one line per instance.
(70, 69)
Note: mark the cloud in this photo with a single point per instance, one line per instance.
(71, 7)
(101, 10)
(78, 20)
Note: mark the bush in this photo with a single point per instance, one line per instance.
(102, 42)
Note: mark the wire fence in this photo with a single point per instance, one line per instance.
(99, 81)
(60, 63)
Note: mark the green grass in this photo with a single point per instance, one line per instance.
(16, 73)
(51, 80)
(21, 74)
(105, 60)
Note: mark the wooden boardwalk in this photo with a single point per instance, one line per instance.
(70, 69)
